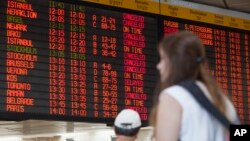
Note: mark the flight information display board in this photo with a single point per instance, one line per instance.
(86, 62)
(72, 61)
(228, 56)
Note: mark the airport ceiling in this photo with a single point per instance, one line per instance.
(237, 5)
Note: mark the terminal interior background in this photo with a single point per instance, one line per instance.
(41, 130)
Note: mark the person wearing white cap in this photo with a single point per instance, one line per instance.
(127, 125)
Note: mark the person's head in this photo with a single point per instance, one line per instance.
(127, 124)
(182, 57)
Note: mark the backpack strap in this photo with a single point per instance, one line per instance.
(200, 97)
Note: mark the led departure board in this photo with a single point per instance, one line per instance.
(74, 61)
(228, 56)
(81, 61)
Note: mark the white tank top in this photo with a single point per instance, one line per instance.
(197, 124)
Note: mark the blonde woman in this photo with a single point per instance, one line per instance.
(177, 115)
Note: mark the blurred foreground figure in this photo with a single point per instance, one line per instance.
(178, 113)
(127, 124)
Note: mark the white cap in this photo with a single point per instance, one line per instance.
(128, 119)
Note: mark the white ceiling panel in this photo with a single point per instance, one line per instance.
(237, 2)
(240, 5)
(218, 3)
(236, 5)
